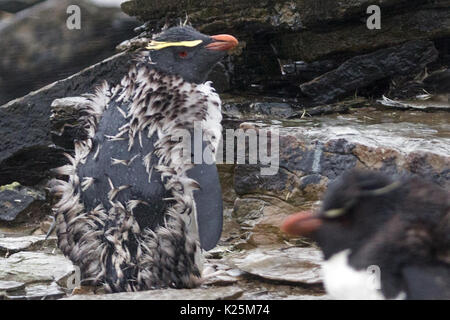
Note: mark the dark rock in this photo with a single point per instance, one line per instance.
(248, 180)
(247, 108)
(27, 150)
(301, 71)
(17, 203)
(220, 78)
(438, 82)
(277, 110)
(38, 48)
(361, 71)
(323, 33)
(16, 5)
(347, 33)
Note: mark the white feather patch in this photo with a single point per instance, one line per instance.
(346, 283)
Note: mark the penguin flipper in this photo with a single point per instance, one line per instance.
(427, 283)
(208, 201)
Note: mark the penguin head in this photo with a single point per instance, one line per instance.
(188, 53)
(353, 208)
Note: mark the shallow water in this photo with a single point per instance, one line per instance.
(406, 131)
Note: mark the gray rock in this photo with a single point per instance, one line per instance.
(225, 293)
(295, 265)
(8, 286)
(38, 292)
(26, 243)
(17, 202)
(34, 267)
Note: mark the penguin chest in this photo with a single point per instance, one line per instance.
(344, 282)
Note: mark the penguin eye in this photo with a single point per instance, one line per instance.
(334, 213)
(183, 54)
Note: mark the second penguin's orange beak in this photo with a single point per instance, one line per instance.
(223, 42)
(301, 224)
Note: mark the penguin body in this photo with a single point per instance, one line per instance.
(128, 215)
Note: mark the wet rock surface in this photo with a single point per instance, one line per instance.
(323, 148)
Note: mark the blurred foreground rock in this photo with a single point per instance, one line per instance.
(38, 48)
(17, 5)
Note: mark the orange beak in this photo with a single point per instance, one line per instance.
(301, 224)
(223, 42)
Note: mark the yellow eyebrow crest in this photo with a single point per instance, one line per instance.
(158, 45)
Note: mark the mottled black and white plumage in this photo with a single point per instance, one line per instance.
(382, 238)
(133, 216)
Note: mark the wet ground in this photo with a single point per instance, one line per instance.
(252, 260)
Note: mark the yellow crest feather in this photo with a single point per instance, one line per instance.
(158, 45)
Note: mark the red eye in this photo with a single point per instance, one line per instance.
(183, 54)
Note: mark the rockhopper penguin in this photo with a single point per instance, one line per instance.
(132, 214)
(382, 238)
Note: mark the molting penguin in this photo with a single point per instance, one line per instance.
(134, 214)
(381, 238)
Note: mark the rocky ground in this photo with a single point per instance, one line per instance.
(371, 100)
(253, 260)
